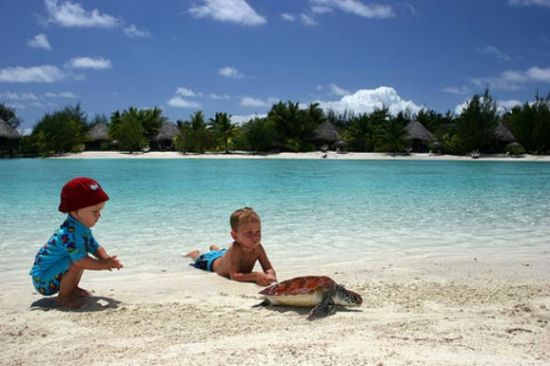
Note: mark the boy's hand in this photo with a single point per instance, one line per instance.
(265, 279)
(113, 262)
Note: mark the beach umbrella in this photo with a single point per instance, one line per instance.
(416, 131)
(7, 132)
(503, 134)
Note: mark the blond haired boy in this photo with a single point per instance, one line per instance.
(237, 262)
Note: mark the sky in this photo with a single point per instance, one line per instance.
(242, 56)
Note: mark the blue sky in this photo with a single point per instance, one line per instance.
(240, 56)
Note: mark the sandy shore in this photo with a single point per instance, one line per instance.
(311, 155)
(463, 312)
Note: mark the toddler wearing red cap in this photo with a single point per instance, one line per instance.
(59, 265)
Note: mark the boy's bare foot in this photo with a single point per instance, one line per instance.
(193, 254)
(80, 292)
(214, 247)
(68, 302)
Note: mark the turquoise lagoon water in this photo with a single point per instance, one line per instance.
(312, 210)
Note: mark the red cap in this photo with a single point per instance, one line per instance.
(81, 192)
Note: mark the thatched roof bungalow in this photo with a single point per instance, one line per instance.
(9, 139)
(164, 140)
(325, 134)
(503, 134)
(97, 136)
(419, 136)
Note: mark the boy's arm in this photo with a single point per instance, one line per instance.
(260, 278)
(102, 261)
(266, 264)
(101, 253)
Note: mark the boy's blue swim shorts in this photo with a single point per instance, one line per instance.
(205, 260)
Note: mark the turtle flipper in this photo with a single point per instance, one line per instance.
(266, 302)
(321, 310)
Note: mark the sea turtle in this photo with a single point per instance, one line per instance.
(319, 292)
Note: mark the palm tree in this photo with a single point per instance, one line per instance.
(221, 124)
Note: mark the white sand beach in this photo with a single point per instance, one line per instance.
(471, 311)
(331, 155)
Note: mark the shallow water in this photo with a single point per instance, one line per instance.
(312, 210)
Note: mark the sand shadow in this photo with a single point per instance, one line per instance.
(91, 304)
(305, 311)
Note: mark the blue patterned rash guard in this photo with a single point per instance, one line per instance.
(70, 243)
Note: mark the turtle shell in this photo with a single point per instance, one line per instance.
(300, 286)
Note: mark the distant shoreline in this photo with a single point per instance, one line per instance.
(298, 156)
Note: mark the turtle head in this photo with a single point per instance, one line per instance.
(346, 297)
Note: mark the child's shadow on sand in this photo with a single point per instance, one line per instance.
(90, 304)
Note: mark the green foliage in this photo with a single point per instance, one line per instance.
(453, 144)
(359, 134)
(260, 135)
(515, 149)
(530, 124)
(195, 136)
(223, 129)
(366, 132)
(477, 122)
(130, 133)
(390, 137)
(60, 132)
(9, 116)
(134, 128)
(294, 126)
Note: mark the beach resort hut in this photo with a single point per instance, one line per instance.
(502, 137)
(418, 136)
(9, 139)
(98, 137)
(164, 140)
(325, 134)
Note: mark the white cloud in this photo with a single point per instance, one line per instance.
(219, 96)
(369, 100)
(18, 96)
(545, 3)
(64, 95)
(254, 102)
(539, 74)
(240, 119)
(288, 17)
(355, 7)
(308, 20)
(321, 9)
(235, 11)
(493, 51)
(73, 15)
(462, 90)
(230, 72)
(512, 79)
(25, 131)
(97, 63)
(35, 74)
(179, 102)
(335, 89)
(508, 104)
(133, 32)
(186, 92)
(39, 41)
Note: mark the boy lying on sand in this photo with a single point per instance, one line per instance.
(238, 261)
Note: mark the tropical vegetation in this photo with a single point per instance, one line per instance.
(291, 127)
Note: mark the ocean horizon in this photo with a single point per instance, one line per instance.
(313, 211)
